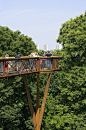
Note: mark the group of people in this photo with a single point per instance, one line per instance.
(8, 64)
(34, 54)
(42, 61)
(48, 54)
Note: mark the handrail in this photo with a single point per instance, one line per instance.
(27, 57)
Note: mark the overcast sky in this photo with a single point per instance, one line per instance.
(39, 19)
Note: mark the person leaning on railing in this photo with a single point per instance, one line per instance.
(48, 55)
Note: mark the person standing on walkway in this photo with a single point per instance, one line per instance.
(48, 55)
(44, 60)
(18, 56)
(18, 61)
(6, 62)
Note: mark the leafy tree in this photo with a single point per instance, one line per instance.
(73, 38)
(14, 42)
(66, 109)
(14, 108)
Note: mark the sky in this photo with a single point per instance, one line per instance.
(39, 19)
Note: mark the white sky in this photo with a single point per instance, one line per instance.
(39, 19)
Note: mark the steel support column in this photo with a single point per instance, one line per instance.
(37, 103)
(30, 102)
(43, 102)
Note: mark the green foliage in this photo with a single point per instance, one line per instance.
(40, 52)
(73, 38)
(57, 52)
(14, 42)
(14, 108)
(66, 109)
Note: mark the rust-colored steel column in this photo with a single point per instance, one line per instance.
(30, 103)
(37, 119)
(37, 100)
(3, 68)
(53, 67)
(38, 64)
(44, 101)
(37, 103)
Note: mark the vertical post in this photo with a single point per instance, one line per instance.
(37, 103)
(37, 100)
(57, 64)
(3, 68)
(38, 64)
(50, 64)
(30, 102)
(44, 101)
(53, 64)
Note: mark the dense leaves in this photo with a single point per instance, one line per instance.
(66, 110)
(73, 38)
(14, 108)
(57, 52)
(14, 42)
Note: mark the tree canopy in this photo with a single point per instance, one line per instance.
(14, 42)
(66, 109)
(73, 38)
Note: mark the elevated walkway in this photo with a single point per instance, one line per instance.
(27, 65)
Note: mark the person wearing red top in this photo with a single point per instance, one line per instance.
(6, 63)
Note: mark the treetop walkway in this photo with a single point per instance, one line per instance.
(26, 65)
(18, 66)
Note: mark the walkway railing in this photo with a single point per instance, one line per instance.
(24, 65)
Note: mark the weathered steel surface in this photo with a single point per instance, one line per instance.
(3, 68)
(37, 103)
(37, 119)
(37, 100)
(43, 102)
(30, 103)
